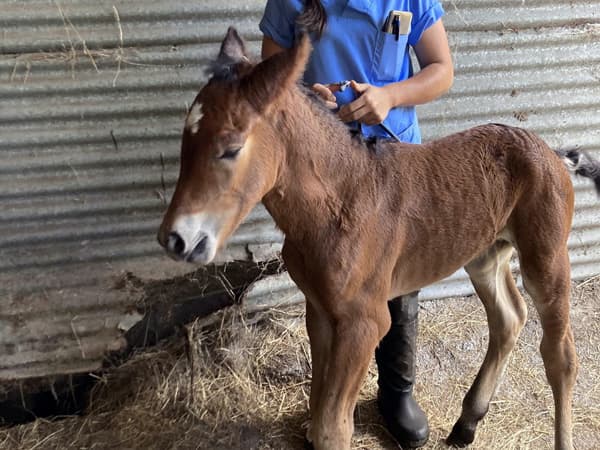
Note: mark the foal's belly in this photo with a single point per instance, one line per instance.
(438, 258)
(406, 283)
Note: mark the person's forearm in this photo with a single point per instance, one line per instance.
(269, 48)
(430, 83)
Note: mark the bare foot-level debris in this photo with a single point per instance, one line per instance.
(250, 383)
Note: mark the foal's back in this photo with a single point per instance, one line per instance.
(458, 195)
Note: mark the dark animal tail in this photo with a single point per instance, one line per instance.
(582, 164)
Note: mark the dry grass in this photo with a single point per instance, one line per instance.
(76, 53)
(243, 384)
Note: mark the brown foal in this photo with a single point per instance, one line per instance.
(365, 222)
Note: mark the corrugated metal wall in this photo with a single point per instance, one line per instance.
(93, 95)
(534, 64)
(92, 100)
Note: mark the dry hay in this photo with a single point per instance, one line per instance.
(244, 383)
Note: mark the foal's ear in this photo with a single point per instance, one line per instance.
(269, 79)
(233, 48)
(231, 54)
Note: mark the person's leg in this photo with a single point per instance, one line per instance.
(396, 359)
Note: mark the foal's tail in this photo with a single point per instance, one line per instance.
(581, 164)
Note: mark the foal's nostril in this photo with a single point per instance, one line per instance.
(200, 247)
(175, 244)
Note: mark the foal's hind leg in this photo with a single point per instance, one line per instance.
(546, 276)
(506, 313)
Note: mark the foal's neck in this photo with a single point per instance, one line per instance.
(321, 169)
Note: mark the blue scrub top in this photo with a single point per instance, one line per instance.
(354, 47)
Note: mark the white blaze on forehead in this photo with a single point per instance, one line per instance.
(194, 117)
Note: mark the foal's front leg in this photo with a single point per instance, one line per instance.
(354, 338)
(320, 335)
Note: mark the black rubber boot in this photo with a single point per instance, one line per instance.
(395, 358)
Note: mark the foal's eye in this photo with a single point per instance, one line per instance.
(230, 153)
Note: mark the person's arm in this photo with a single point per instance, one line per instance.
(278, 26)
(436, 74)
(270, 47)
(433, 80)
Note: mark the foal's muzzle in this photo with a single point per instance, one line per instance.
(179, 250)
(175, 244)
(191, 237)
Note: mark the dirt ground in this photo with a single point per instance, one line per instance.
(244, 384)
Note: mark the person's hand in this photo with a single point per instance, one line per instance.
(371, 107)
(326, 91)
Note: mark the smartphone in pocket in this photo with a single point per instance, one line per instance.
(392, 44)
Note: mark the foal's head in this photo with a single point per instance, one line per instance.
(228, 162)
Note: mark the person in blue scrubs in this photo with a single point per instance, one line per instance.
(367, 42)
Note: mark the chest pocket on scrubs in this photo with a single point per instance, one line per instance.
(389, 56)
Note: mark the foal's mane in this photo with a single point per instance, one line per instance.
(373, 144)
(228, 70)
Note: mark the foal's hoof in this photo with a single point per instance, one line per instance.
(461, 435)
(308, 445)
